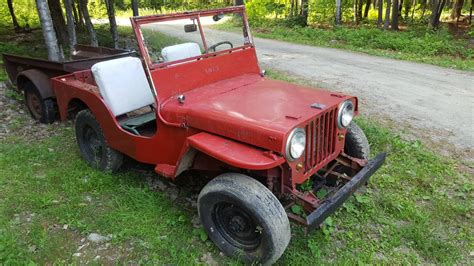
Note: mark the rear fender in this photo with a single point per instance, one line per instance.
(234, 153)
(41, 81)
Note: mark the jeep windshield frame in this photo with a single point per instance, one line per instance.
(139, 21)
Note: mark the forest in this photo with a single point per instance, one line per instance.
(431, 31)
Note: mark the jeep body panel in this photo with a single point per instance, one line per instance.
(251, 109)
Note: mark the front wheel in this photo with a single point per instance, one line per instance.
(356, 144)
(244, 219)
(92, 144)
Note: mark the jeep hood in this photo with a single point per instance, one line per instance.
(250, 109)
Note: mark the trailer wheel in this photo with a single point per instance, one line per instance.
(244, 219)
(356, 144)
(92, 144)
(42, 110)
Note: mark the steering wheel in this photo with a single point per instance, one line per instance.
(214, 46)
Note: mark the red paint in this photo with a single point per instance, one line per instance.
(231, 114)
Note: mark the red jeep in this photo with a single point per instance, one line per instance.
(197, 103)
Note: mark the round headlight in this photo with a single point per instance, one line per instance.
(345, 115)
(296, 144)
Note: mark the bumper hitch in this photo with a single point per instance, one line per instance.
(331, 204)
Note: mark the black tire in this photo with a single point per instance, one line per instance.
(42, 110)
(356, 144)
(244, 219)
(92, 144)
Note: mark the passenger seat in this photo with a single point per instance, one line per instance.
(124, 87)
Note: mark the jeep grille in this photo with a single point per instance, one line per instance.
(320, 139)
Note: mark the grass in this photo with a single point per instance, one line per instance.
(415, 43)
(416, 210)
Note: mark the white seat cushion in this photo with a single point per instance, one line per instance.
(123, 84)
(180, 51)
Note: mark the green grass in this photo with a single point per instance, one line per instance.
(417, 209)
(417, 43)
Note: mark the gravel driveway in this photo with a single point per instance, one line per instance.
(436, 104)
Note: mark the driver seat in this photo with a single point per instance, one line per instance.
(180, 51)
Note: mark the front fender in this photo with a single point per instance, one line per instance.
(234, 153)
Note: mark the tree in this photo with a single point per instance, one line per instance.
(395, 11)
(338, 12)
(304, 12)
(380, 12)
(387, 15)
(113, 24)
(457, 9)
(12, 14)
(135, 8)
(90, 28)
(436, 13)
(367, 7)
(54, 53)
(59, 23)
(357, 11)
(71, 29)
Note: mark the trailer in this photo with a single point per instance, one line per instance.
(31, 76)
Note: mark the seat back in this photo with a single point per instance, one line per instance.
(180, 51)
(123, 84)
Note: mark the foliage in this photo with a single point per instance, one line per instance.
(415, 43)
(25, 11)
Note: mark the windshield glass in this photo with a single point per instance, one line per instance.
(179, 40)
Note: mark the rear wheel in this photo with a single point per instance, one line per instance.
(244, 219)
(92, 144)
(42, 110)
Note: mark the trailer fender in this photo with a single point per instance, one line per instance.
(41, 81)
(234, 153)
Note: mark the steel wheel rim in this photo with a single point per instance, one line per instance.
(93, 145)
(34, 104)
(237, 226)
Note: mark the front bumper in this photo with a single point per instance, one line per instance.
(331, 204)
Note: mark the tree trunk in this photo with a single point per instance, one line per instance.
(58, 20)
(304, 12)
(54, 53)
(16, 26)
(80, 14)
(387, 15)
(436, 13)
(356, 18)
(135, 8)
(367, 7)
(338, 12)
(357, 11)
(395, 15)
(112, 22)
(380, 12)
(413, 9)
(296, 7)
(457, 9)
(470, 12)
(71, 29)
(87, 19)
(292, 7)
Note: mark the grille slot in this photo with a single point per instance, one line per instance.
(320, 139)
